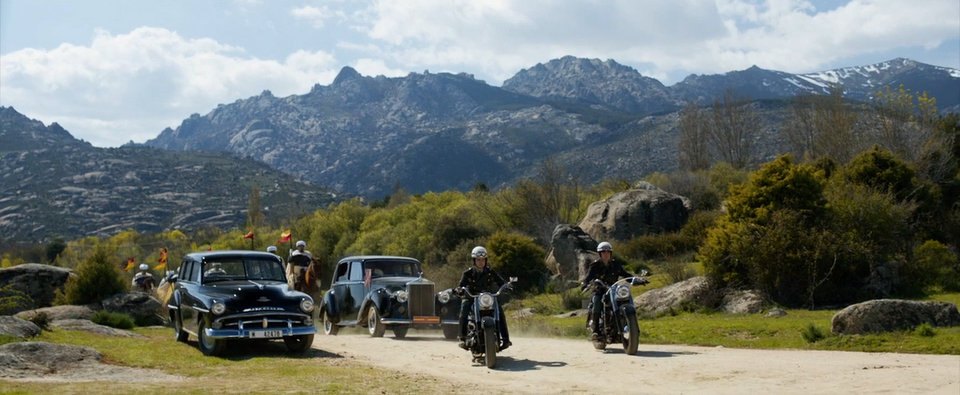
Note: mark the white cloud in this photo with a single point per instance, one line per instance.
(375, 67)
(317, 16)
(130, 86)
(662, 37)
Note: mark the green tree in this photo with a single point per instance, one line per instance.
(97, 278)
(516, 255)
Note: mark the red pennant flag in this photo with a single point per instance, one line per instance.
(249, 235)
(162, 262)
(130, 264)
(285, 237)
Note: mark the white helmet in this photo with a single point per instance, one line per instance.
(478, 252)
(272, 249)
(301, 243)
(604, 246)
(144, 267)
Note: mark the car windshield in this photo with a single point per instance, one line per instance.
(233, 269)
(392, 268)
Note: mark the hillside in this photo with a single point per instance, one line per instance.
(52, 185)
(437, 131)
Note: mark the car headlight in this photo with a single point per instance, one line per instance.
(306, 305)
(218, 308)
(401, 296)
(444, 297)
(623, 293)
(486, 301)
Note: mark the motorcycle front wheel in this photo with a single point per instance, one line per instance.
(490, 346)
(631, 336)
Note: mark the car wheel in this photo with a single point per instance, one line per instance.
(400, 332)
(208, 345)
(298, 344)
(450, 332)
(329, 328)
(180, 334)
(374, 325)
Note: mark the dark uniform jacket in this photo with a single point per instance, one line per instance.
(476, 281)
(609, 273)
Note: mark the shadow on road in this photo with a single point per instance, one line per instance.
(650, 354)
(509, 364)
(244, 350)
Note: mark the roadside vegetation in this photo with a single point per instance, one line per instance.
(867, 205)
(260, 368)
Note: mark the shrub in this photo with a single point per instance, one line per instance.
(41, 320)
(518, 256)
(96, 279)
(13, 301)
(677, 270)
(572, 299)
(812, 333)
(934, 264)
(925, 330)
(113, 320)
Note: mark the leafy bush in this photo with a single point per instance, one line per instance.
(96, 279)
(925, 330)
(517, 255)
(812, 333)
(113, 320)
(677, 270)
(41, 320)
(13, 301)
(572, 299)
(934, 265)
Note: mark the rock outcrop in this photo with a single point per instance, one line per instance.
(16, 327)
(884, 315)
(59, 313)
(636, 212)
(144, 309)
(39, 282)
(572, 251)
(92, 327)
(695, 292)
(743, 302)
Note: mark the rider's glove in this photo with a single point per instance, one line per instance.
(640, 281)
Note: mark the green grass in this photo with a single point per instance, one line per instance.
(750, 331)
(252, 368)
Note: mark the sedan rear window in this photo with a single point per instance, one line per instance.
(234, 269)
(392, 268)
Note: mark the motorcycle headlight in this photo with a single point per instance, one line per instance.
(623, 293)
(218, 308)
(444, 297)
(486, 301)
(401, 296)
(306, 305)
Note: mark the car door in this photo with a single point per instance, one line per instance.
(356, 288)
(340, 290)
(188, 280)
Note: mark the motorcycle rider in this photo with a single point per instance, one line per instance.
(143, 280)
(481, 278)
(605, 269)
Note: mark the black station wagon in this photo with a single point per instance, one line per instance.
(381, 292)
(225, 295)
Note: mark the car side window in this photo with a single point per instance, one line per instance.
(195, 271)
(185, 271)
(342, 271)
(356, 271)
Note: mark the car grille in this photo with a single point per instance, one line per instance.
(274, 321)
(421, 299)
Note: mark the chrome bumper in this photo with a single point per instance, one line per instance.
(246, 333)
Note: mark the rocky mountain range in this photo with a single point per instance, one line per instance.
(53, 185)
(436, 131)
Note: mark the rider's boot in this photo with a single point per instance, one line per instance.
(463, 342)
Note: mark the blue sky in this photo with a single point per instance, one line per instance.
(112, 71)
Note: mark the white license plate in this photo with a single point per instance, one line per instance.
(265, 334)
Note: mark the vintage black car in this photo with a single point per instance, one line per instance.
(380, 292)
(225, 295)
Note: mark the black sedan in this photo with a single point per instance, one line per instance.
(225, 295)
(381, 292)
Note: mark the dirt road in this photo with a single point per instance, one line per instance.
(542, 365)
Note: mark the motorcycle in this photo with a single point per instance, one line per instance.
(618, 318)
(483, 322)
